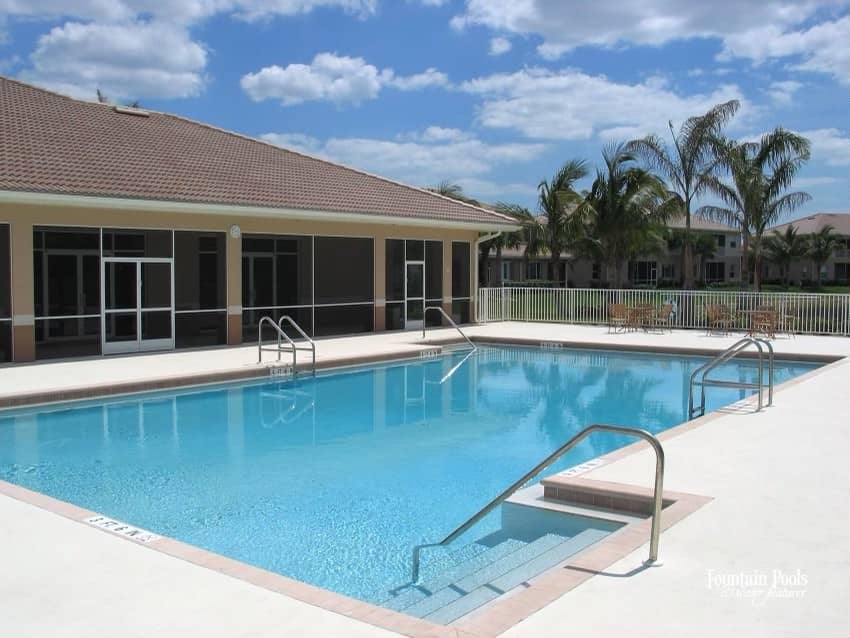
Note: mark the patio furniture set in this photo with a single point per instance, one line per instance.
(646, 317)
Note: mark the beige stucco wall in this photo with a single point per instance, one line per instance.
(23, 217)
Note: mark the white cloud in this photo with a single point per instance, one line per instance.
(824, 48)
(182, 11)
(333, 78)
(130, 60)
(782, 93)
(428, 160)
(499, 46)
(569, 104)
(427, 79)
(829, 145)
(748, 28)
(436, 134)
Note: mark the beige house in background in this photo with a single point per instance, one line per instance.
(837, 268)
(124, 230)
(650, 270)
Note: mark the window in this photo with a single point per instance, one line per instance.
(344, 270)
(534, 270)
(732, 243)
(842, 272)
(434, 272)
(460, 282)
(506, 271)
(277, 280)
(643, 272)
(66, 290)
(715, 271)
(596, 271)
(668, 271)
(5, 294)
(200, 275)
(721, 241)
(137, 243)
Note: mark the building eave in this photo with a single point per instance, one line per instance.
(152, 205)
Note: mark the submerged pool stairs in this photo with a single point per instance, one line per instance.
(475, 574)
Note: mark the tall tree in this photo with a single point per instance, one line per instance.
(624, 210)
(821, 246)
(687, 164)
(783, 248)
(756, 197)
(531, 235)
(557, 199)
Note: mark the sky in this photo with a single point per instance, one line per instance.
(493, 95)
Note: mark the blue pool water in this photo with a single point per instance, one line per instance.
(332, 480)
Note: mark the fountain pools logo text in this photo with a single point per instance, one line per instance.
(758, 586)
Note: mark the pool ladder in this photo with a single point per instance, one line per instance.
(763, 348)
(281, 337)
(473, 347)
(549, 460)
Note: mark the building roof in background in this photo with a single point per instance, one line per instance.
(54, 144)
(814, 223)
(701, 223)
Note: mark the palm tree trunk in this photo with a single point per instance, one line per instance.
(553, 268)
(745, 261)
(499, 282)
(757, 273)
(687, 253)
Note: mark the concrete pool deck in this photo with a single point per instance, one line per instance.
(780, 510)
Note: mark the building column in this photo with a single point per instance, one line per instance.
(380, 283)
(23, 321)
(233, 249)
(447, 277)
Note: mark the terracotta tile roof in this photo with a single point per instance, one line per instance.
(701, 223)
(811, 224)
(50, 143)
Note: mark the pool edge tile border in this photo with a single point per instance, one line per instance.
(492, 619)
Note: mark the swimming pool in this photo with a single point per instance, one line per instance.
(332, 480)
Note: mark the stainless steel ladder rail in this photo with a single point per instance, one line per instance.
(566, 447)
(451, 322)
(280, 335)
(304, 335)
(730, 353)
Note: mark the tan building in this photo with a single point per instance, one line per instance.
(724, 265)
(837, 268)
(124, 230)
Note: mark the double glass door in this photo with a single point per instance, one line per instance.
(414, 295)
(138, 304)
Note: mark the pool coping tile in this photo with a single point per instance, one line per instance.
(493, 618)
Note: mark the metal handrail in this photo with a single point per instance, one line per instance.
(566, 447)
(730, 353)
(303, 334)
(280, 333)
(451, 322)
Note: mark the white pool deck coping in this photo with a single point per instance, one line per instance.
(780, 508)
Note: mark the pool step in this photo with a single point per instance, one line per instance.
(508, 564)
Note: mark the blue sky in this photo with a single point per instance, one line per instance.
(491, 94)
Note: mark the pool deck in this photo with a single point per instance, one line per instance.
(768, 556)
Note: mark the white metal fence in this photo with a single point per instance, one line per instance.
(804, 313)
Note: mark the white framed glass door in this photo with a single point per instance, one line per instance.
(414, 295)
(138, 304)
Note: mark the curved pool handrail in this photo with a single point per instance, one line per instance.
(451, 322)
(566, 447)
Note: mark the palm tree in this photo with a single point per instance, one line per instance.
(557, 199)
(687, 164)
(531, 235)
(821, 246)
(784, 248)
(761, 173)
(703, 246)
(623, 211)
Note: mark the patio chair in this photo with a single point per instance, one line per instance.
(618, 317)
(763, 322)
(718, 319)
(663, 319)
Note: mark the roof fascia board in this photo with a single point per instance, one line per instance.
(150, 205)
